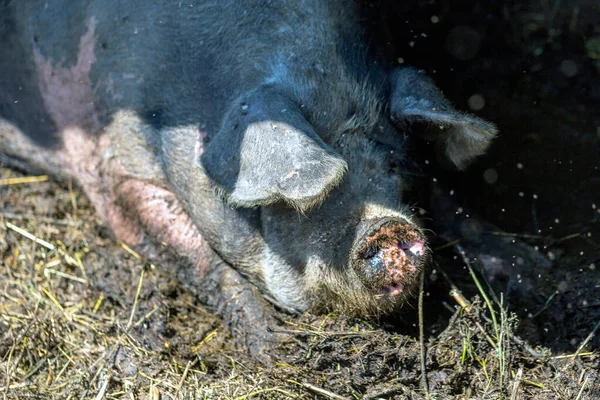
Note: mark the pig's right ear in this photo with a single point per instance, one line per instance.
(266, 151)
(415, 99)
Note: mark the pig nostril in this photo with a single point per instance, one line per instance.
(369, 253)
(413, 249)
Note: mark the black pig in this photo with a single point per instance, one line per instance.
(265, 131)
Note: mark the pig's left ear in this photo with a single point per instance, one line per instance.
(267, 152)
(416, 99)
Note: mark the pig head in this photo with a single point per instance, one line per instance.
(316, 191)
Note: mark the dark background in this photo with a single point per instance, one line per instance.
(533, 69)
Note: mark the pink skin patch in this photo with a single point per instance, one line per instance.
(67, 92)
(396, 290)
(68, 98)
(138, 212)
(164, 221)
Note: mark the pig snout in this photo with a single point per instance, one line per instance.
(390, 256)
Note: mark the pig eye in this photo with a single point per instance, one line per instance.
(392, 155)
(393, 167)
(397, 162)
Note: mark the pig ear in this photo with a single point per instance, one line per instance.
(415, 98)
(266, 151)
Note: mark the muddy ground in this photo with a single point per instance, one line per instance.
(82, 316)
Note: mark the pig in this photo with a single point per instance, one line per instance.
(269, 135)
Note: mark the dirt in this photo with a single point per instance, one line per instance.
(82, 316)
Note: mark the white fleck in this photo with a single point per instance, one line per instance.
(521, 194)
(435, 19)
(568, 68)
(476, 102)
(520, 260)
(490, 176)
(519, 165)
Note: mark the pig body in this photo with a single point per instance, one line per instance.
(268, 133)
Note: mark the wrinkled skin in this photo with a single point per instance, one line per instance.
(266, 135)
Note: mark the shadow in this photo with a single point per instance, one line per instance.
(538, 77)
